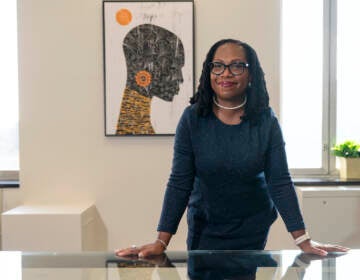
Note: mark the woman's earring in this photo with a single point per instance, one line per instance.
(249, 84)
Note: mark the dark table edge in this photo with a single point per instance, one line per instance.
(9, 184)
(299, 182)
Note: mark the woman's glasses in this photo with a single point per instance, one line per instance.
(236, 68)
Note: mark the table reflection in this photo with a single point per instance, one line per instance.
(220, 265)
(274, 265)
(244, 265)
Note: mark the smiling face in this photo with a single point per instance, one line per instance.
(230, 88)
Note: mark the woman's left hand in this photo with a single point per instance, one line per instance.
(320, 249)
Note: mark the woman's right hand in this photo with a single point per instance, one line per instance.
(151, 249)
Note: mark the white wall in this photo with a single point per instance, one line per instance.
(64, 155)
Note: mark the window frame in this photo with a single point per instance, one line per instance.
(330, 27)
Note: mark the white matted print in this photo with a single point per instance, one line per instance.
(148, 66)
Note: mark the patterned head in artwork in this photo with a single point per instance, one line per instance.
(154, 58)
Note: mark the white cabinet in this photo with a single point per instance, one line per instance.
(332, 214)
(53, 228)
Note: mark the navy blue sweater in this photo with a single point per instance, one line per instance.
(226, 173)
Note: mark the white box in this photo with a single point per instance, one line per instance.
(332, 214)
(62, 228)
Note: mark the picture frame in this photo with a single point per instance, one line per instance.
(148, 65)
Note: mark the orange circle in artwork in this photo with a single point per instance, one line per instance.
(143, 78)
(123, 16)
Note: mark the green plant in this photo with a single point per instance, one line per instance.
(348, 149)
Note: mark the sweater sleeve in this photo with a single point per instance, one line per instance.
(181, 179)
(279, 181)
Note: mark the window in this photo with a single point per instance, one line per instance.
(348, 63)
(9, 151)
(302, 84)
(319, 60)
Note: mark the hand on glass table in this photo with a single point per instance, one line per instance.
(151, 249)
(312, 247)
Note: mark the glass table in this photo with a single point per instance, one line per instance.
(212, 265)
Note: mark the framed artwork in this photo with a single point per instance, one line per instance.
(148, 65)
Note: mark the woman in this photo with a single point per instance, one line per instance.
(229, 165)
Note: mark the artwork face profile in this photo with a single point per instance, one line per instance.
(148, 66)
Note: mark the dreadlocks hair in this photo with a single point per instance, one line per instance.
(257, 95)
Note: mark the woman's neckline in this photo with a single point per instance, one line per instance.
(223, 123)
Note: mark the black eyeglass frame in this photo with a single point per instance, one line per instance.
(211, 65)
